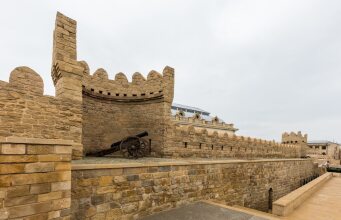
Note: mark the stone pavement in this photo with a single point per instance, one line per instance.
(202, 211)
(324, 204)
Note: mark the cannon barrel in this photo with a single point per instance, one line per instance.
(140, 135)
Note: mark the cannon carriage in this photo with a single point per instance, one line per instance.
(135, 147)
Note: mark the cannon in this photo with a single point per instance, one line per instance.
(130, 147)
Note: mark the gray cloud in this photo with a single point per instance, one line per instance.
(266, 66)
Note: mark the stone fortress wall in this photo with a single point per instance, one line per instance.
(131, 192)
(190, 142)
(39, 134)
(114, 109)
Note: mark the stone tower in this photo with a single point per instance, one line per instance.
(293, 138)
(297, 139)
(66, 71)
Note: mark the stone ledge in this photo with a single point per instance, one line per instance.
(92, 166)
(287, 204)
(22, 140)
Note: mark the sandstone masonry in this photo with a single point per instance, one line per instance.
(39, 135)
(35, 178)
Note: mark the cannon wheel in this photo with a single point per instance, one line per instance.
(134, 147)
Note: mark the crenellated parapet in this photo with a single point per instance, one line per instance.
(26, 112)
(155, 86)
(294, 138)
(199, 123)
(191, 142)
(25, 81)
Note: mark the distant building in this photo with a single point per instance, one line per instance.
(324, 149)
(184, 115)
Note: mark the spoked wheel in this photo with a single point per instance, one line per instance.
(134, 147)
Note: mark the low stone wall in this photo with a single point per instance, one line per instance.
(287, 204)
(35, 178)
(111, 191)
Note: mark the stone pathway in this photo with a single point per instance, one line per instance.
(324, 204)
(202, 211)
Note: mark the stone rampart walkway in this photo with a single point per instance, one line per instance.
(324, 204)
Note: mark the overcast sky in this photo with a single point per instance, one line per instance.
(267, 66)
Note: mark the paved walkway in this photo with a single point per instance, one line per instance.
(324, 204)
(202, 211)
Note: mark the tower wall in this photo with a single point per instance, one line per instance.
(66, 71)
(297, 139)
(114, 109)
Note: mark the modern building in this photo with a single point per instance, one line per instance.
(324, 149)
(184, 115)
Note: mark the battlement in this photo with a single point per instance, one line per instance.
(24, 80)
(294, 138)
(26, 112)
(202, 123)
(190, 142)
(156, 86)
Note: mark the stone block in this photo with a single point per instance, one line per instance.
(65, 212)
(103, 207)
(66, 194)
(23, 200)
(50, 196)
(40, 188)
(54, 158)
(3, 192)
(129, 208)
(53, 214)
(60, 186)
(58, 204)
(119, 179)
(18, 159)
(41, 216)
(102, 172)
(165, 169)
(160, 175)
(30, 209)
(98, 216)
(63, 149)
(4, 214)
(114, 214)
(40, 149)
(39, 167)
(22, 179)
(16, 191)
(59, 166)
(91, 211)
(106, 189)
(105, 180)
(5, 180)
(11, 168)
(133, 178)
(133, 170)
(13, 149)
(97, 199)
(116, 196)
